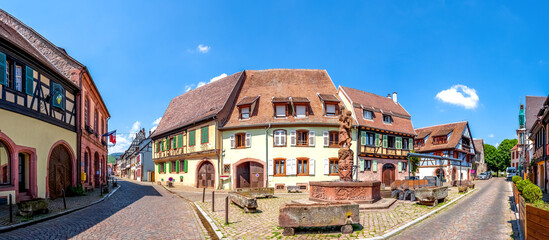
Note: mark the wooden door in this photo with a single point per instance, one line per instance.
(256, 175)
(243, 175)
(388, 174)
(59, 171)
(152, 177)
(206, 175)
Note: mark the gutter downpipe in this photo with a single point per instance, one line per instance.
(219, 184)
(267, 153)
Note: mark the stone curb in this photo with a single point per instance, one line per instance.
(417, 220)
(200, 212)
(217, 231)
(25, 224)
(515, 210)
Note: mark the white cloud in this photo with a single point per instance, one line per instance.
(203, 48)
(460, 95)
(491, 135)
(123, 141)
(157, 121)
(200, 84)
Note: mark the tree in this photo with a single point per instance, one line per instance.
(504, 153)
(491, 157)
(415, 163)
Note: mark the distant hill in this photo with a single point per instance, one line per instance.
(113, 157)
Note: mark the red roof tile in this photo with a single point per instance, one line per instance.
(197, 104)
(457, 130)
(300, 84)
(379, 105)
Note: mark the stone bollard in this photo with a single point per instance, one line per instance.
(227, 210)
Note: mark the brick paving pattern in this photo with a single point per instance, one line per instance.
(264, 225)
(485, 214)
(135, 211)
(55, 206)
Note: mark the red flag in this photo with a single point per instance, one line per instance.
(112, 138)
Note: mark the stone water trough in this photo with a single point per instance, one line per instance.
(244, 201)
(292, 215)
(257, 192)
(33, 207)
(431, 195)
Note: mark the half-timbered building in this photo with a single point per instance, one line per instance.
(538, 135)
(384, 133)
(448, 140)
(187, 142)
(38, 121)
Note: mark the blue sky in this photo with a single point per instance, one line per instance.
(143, 53)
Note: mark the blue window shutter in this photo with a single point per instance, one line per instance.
(2, 68)
(29, 81)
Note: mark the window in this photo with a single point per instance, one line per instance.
(440, 140)
(404, 166)
(173, 166)
(302, 138)
(183, 166)
(18, 78)
(390, 142)
(330, 109)
(367, 165)
(301, 111)
(405, 144)
(333, 166)
(160, 167)
(204, 138)
(95, 120)
(281, 111)
(227, 168)
(87, 111)
(245, 113)
(240, 140)
(5, 165)
(419, 142)
(387, 119)
(302, 166)
(334, 139)
(367, 114)
(172, 143)
(192, 138)
(369, 139)
(9, 73)
(279, 166)
(280, 138)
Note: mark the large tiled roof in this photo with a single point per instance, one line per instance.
(302, 85)
(380, 105)
(479, 145)
(533, 105)
(197, 104)
(457, 130)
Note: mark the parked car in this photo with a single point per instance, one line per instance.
(489, 173)
(483, 176)
(511, 172)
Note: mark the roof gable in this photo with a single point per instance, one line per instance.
(457, 129)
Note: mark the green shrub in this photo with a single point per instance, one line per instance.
(76, 191)
(541, 204)
(523, 183)
(515, 179)
(532, 193)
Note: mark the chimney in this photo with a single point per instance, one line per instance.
(395, 97)
(389, 96)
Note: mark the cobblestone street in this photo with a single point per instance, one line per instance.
(136, 211)
(485, 214)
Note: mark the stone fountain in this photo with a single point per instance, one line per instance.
(345, 189)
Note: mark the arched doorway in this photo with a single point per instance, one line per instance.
(250, 174)
(5, 164)
(439, 174)
(206, 175)
(388, 174)
(96, 169)
(59, 171)
(454, 173)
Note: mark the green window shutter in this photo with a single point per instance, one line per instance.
(398, 143)
(185, 166)
(411, 144)
(164, 167)
(377, 140)
(399, 166)
(180, 141)
(170, 166)
(177, 166)
(385, 141)
(204, 135)
(361, 165)
(158, 165)
(374, 165)
(362, 138)
(192, 138)
(3, 68)
(29, 81)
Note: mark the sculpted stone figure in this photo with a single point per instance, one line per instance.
(345, 164)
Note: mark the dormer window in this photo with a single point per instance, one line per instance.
(387, 119)
(367, 114)
(331, 103)
(301, 111)
(245, 113)
(281, 111)
(440, 140)
(331, 109)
